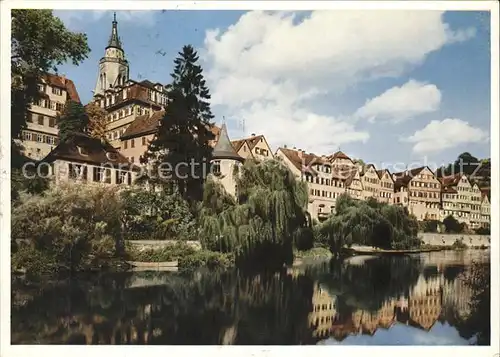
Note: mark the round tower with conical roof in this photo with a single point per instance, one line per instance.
(225, 161)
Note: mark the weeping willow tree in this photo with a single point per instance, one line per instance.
(368, 223)
(263, 221)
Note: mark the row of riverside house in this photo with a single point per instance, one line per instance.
(424, 194)
(134, 109)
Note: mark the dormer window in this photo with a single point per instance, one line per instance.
(82, 150)
(112, 156)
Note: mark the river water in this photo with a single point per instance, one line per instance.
(419, 300)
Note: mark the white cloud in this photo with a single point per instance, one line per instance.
(402, 103)
(77, 19)
(445, 134)
(268, 66)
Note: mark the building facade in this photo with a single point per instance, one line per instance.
(41, 134)
(461, 199)
(255, 147)
(83, 159)
(370, 182)
(422, 191)
(386, 191)
(124, 99)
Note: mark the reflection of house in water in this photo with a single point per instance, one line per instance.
(457, 296)
(424, 303)
(323, 313)
(421, 309)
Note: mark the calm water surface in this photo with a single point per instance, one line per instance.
(418, 300)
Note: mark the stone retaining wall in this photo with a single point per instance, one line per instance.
(471, 240)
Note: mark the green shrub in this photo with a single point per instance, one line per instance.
(483, 230)
(205, 258)
(34, 262)
(169, 253)
(79, 226)
(156, 215)
(452, 225)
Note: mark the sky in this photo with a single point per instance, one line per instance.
(393, 88)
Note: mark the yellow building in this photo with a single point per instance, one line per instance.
(254, 147)
(41, 133)
(370, 182)
(461, 199)
(420, 191)
(124, 99)
(325, 183)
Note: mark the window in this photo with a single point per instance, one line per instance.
(125, 144)
(29, 117)
(132, 159)
(98, 174)
(53, 105)
(77, 171)
(41, 88)
(129, 111)
(121, 177)
(56, 91)
(52, 122)
(138, 111)
(39, 138)
(27, 135)
(216, 167)
(59, 107)
(107, 175)
(144, 141)
(132, 143)
(40, 120)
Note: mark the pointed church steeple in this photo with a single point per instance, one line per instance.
(224, 149)
(114, 39)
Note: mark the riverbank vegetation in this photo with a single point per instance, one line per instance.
(368, 223)
(265, 220)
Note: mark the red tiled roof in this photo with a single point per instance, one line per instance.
(339, 155)
(403, 178)
(143, 125)
(251, 141)
(64, 83)
(380, 173)
(448, 189)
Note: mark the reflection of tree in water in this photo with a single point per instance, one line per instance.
(477, 324)
(208, 309)
(369, 285)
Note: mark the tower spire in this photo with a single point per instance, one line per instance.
(114, 40)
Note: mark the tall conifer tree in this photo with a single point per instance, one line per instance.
(184, 133)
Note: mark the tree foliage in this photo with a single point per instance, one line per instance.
(452, 225)
(96, 120)
(149, 214)
(73, 119)
(183, 135)
(40, 42)
(369, 223)
(74, 227)
(264, 219)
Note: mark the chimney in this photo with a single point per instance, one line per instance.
(295, 148)
(63, 78)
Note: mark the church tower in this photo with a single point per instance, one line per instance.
(113, 67)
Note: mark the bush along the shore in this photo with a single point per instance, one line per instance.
(68, 228)
(369, 223)
(169, 253)
(205, 258)
(156, 214)
(260, 225)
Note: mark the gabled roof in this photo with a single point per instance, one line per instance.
(380, 174)
(303, 161)
(339, 155)
(451, 180)
(223, 148)
(351, 176)
(403, 178)
(143, 125)
(251, 142)
(63, 83)
(448, 189)
(85, 149)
